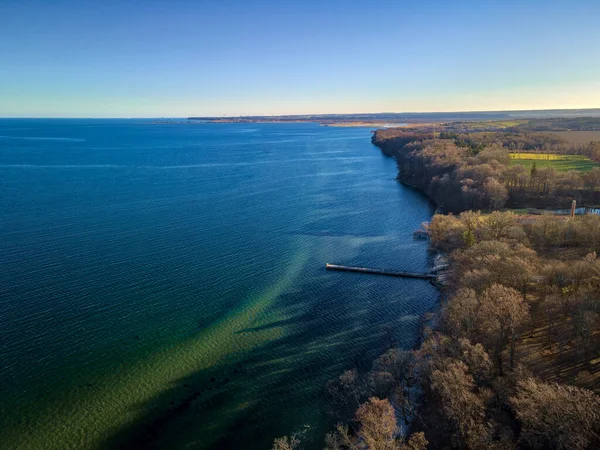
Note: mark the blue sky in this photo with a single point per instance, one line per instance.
(126, 58)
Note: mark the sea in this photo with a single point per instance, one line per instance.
(163, 285)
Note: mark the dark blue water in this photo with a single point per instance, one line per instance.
(166, 282)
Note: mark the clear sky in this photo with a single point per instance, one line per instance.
(130, 58)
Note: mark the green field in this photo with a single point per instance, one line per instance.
(492, 125)
(558, 162)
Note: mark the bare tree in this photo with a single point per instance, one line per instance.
(585, 324)
(501, 313)
(476, 359)
(416, 441)
(340, 439)
(377, 424)
(286, 443)
(496, 193)
(461, 406)
(461, 313)
(518, 272)
(499, 224)
(345, 393)
(557, 416)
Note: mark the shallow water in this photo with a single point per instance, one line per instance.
(165, 283)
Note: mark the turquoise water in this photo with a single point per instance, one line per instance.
(163, 285)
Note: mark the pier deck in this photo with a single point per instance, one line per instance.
(391, 273)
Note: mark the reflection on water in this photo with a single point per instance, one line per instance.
(578, 211)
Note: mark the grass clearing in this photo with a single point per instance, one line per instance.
(558, 162)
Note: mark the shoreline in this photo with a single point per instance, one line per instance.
(500, 258)
(429, 320)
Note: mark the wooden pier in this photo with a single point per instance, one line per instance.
(391, 273)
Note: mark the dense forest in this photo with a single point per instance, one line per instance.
(511, 360)
(472, 171)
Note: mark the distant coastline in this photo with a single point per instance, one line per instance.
(396, 119)
(342, 124)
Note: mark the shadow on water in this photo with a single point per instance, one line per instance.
(277, 388)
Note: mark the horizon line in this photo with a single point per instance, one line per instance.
(308, 114)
